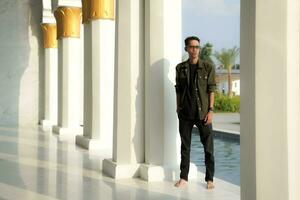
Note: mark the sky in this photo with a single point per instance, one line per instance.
(214, 21)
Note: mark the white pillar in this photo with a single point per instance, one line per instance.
(69, 63)
(293, 97)
(87, 52)
(270, 102)
(163, 53)
(50, 45)
(99, 76)
(128, 138)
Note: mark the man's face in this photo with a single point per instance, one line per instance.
(193, 48)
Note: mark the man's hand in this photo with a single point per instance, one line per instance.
(208, 118)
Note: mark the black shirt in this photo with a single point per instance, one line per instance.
(190, 100)
(192, 89)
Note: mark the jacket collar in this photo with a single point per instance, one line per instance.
(200, 63)
(187, 67)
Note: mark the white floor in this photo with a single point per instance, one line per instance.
(35, 165)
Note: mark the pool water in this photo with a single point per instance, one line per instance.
(227, 157)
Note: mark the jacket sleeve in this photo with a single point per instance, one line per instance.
(211, 83)
(177, 81)
(177, 87)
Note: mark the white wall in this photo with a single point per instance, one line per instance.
(21, 63)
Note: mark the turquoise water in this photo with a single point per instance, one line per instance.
(227, 157)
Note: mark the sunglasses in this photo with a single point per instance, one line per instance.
(193, 47)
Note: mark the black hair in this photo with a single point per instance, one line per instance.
(188, 39)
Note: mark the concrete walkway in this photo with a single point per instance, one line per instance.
(229, 122)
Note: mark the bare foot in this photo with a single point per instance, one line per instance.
(210, 185)
(181, 183)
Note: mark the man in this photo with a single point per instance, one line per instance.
(195, 86)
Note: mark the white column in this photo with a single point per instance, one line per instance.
(88, 86)
(50, 87)
(69, 63)
(128, 138)
(293, 97)
(270, 101)
(99, 75)
(163, 53)
(50, 45)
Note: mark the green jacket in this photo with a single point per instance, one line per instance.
(205, 83)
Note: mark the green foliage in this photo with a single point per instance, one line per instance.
(224, 103)
(206, 53)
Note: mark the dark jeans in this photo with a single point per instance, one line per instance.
(206, 137)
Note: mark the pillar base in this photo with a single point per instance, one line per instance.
(145, 171)
(91, 144)
(46, 124)
(150, 172)
(67, 133)
(119, 171)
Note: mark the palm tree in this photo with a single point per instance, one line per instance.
(227, 57)
(206, 52)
